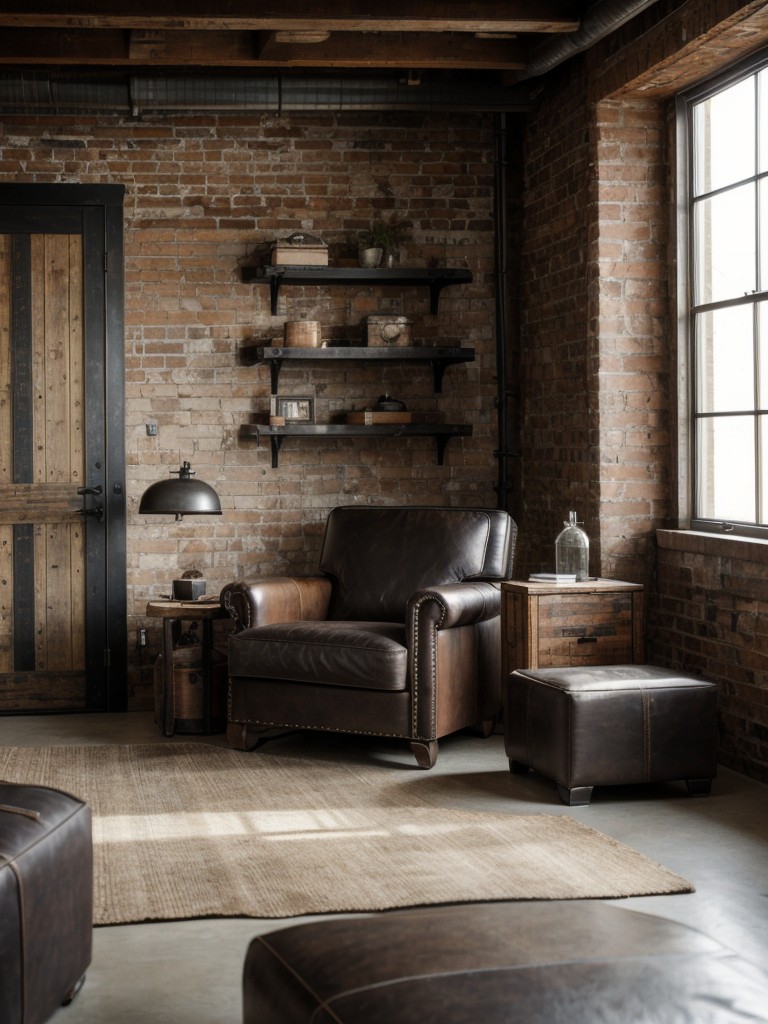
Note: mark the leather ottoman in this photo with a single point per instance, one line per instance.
(608, 725)
(46, 900)
(577, 961)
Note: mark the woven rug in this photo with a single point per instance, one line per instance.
(191, 830)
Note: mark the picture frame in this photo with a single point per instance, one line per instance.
(296, 408)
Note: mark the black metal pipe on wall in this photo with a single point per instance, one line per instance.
(500, 270)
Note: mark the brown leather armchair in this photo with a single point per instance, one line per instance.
(399, 634)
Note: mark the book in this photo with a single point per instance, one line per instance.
(552, 577)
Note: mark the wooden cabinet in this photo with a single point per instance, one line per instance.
(599, 622)
(440, 358)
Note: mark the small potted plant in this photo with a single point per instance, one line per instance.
(380, 244)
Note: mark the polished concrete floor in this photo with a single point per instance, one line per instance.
(189, 971)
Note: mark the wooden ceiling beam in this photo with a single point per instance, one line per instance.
(545, 16)
(395, 50)
(145, 48)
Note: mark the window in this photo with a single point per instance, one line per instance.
(726, 210)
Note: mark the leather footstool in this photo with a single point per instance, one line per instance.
(609, 725)
(46, 900)
(579, 961)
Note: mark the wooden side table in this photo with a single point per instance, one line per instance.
(173, 613)
(599, 622)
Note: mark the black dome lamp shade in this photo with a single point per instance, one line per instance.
(182, 497)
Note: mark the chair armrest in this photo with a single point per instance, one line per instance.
(436, 653)
(453, 604)
(276, 599)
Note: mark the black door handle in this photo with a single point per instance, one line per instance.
(97, 512)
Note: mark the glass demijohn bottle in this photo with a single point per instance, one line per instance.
(572, 550)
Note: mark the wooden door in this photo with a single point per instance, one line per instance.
(62, 517)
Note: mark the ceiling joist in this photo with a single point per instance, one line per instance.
(496, 16)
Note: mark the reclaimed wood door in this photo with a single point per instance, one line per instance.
(62, 517)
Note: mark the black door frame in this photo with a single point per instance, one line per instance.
(98, 210)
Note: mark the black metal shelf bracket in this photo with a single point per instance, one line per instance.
(435, 279)
(442, 434)
(440, 358)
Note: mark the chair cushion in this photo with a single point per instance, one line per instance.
(365, 655)
(378, 557)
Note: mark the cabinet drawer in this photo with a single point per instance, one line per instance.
(600, 625)
(593, 629)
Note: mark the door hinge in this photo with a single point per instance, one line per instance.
(106, 262)
(107, 658)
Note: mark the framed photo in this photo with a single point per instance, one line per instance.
(296, 409)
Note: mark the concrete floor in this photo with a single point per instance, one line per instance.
(189, 971)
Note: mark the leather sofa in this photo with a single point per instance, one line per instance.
(397, 635)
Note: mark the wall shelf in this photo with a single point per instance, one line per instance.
(441, 432)
(274, 356)
(435, 279)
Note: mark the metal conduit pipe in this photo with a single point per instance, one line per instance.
(602, 18)
(500, 268)
(139, 94)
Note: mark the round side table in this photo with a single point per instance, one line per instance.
(173, 613)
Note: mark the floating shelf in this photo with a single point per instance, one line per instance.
(440, 358)
(442, 433)
(433, 278)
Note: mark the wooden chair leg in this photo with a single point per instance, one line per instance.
(242, 736)
(425, 752)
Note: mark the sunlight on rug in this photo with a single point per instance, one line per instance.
(191, 830)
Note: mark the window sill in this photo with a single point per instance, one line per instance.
(717, 544)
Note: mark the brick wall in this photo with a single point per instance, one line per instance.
(598, 347)
(554, 383)
(204, 194)
(710, 616)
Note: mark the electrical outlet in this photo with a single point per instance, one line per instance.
(141, 637)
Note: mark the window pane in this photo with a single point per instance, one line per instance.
(763, 428)
(724, 131)
(724, 245)
(725, 468)
(725, 380)
(762, 88)
(763, 231)
(762, 336)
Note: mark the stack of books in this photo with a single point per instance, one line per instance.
(552, 577)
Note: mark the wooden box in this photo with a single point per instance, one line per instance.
(300, 256)
(188, 705)
(599, 622)
(371, 417)
(389, 331)
(302, 334)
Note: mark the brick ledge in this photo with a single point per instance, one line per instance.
(713, 544)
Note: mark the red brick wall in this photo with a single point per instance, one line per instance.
(553, 361)
(598, 348)
(204, 194)
(710, 616)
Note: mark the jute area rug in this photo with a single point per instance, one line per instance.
(191, 830)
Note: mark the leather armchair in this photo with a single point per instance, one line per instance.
(398, 634)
